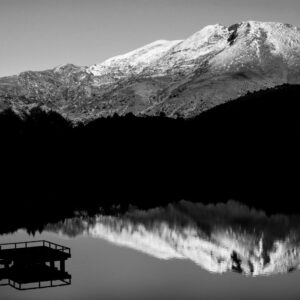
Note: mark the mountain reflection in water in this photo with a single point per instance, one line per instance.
(218, 238)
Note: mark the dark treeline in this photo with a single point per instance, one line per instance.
(246, 150)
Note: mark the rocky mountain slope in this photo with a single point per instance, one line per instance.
(178, 78)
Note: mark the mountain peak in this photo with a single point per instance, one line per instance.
(181, 77)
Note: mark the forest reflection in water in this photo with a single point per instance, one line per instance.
(218, 238)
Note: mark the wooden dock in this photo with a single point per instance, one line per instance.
(34, 264)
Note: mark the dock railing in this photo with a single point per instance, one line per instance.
(29, 244)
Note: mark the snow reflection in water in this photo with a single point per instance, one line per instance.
(218, 238)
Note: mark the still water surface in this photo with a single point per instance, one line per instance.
(103, 269)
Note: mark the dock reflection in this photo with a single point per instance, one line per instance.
(34, 265)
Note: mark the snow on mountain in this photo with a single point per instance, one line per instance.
(179, 78)
(134, 61)
(272, 47)
(249, 42)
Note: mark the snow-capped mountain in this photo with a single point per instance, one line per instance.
(178, 78)
(218, 238)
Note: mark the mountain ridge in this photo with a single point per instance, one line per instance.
(178, 78)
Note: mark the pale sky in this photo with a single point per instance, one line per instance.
(41, 34)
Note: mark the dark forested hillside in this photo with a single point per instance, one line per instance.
(246, 150)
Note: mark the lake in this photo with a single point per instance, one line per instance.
(180, 251)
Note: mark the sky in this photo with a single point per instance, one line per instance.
(42, 34)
